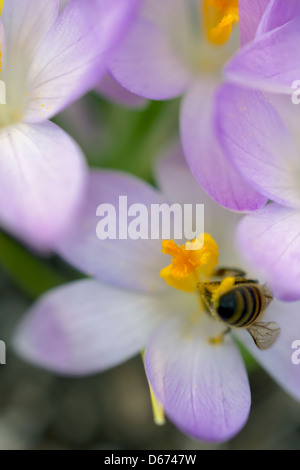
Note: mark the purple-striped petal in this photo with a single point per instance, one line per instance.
(270, 241)
(277, 14)
(250, 12)
(127, 263)
(256, 140)
(205, 157)
(271, 62)
(86, 327)
(42, 177)
(203, 387)
(74, 54)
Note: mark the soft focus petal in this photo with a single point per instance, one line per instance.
(210, 167)
(290, 113)
(112, 90)
(278, 359)
(250, 12)
(63, 4)
(86, 326)
(203, 387)
(27, 23)
(132, 264)
(42, 182)
(147, 63)
(271, 62)
(74, 54)
(270, 241)
(3, 43)
(277, 14)
(178, 185)
(254, 137)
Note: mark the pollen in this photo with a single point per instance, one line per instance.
(190, 266)
(218, 18)
(224, 287)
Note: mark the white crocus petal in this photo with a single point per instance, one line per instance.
(278, 359)
(26, 23)
(203, 387)
(86, 326)
(118, 259)
(46, 170)
(71, 60)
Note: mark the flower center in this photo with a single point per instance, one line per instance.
(218, 18)
(191, 263)
(201, 34)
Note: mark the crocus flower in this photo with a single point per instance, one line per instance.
(268, 151)
(259, 132)
(179, 48)
(48, 61)
(110, 88)
(94, 324)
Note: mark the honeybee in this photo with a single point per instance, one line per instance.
(239, 302)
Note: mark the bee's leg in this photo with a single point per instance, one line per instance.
(243, 280)
(219, 339)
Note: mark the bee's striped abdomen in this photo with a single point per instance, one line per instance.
(241, 306)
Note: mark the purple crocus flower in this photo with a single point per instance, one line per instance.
(94, 324)
(179, 47)
(267, 151)
(259, 132)
(48, 61)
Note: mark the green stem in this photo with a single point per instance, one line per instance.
(32, 275)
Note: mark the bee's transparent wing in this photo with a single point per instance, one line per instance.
(264, 334)
(268, 296)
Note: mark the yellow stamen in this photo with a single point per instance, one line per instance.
(157, 408)
(219, 16)
(189, 267)
(1, 6)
